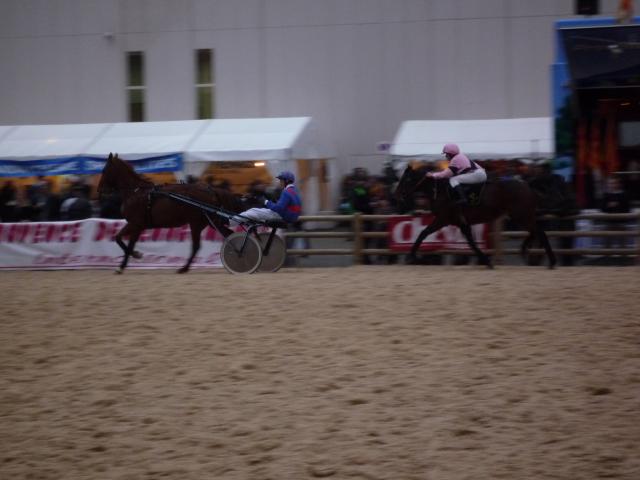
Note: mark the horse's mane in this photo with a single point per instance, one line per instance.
(139, 179)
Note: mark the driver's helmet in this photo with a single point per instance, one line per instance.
(286, 176)
(451, 149)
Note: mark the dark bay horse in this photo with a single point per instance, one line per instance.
(144, 206)
(500, 197)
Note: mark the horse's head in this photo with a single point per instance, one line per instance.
(108, 177)
(406, 187)
(118, 176)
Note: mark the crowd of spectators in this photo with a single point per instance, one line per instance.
(39, 202)
(360, 191)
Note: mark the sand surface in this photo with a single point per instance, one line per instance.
(399, 372)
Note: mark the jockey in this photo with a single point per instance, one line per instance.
(461, 170)
(287, 208)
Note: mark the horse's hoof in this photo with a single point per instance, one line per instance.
(119, 271)
(182, 270)
(137, 255)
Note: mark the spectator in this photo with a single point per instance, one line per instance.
(555, 198)
(632, 181)
(389, 175)
(382, 206)
(615, 200)
(37, 194)
(52, 204)
(209, 180)
(225, 185)
(360, 199)
(76, 206)
(8, 202)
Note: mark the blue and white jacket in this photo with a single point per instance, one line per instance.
(289, 205)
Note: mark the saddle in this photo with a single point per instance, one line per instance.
(473, 192)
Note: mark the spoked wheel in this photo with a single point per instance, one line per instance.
(237, 259)
(273, 260)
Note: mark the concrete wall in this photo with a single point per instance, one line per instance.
(359, 67)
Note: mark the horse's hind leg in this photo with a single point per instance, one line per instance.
(526, 244)
(483, 258)
(547, 246)
(196, 230)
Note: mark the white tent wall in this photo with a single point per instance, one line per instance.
(137, 140)
(478, 139)
(38, 142)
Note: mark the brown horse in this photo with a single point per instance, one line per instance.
(501, 197)
(146, 205)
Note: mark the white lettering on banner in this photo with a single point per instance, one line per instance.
(407, 231)
(89, 244)
(403, 232)
(29, 169)
(165, 163)
(94, 165)
(58, 232)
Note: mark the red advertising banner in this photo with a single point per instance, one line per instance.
(403, 232)
(90, 244)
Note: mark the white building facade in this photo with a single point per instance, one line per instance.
(358, 67)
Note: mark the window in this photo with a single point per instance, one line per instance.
(135, 86)
(205, 84)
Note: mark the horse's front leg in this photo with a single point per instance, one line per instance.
(123, 233)
(434, 226)
(134, 234)
(483, 258)
(196, 230)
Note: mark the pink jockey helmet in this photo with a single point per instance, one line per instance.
(451, 149)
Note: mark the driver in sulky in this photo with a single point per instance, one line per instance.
(287, 208)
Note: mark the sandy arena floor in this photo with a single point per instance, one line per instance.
(398, 373)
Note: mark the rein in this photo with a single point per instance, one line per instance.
(435, 186)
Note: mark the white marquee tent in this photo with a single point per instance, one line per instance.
(184, 146)
(478, 139)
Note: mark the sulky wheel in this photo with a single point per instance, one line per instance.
(237, 259)
(273, 260)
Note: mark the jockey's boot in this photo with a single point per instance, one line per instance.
(461, 198)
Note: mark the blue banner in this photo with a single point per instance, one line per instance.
(162, 163)
(85, 165)
(33, 168)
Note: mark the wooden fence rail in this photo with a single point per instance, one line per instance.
(357, 234)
